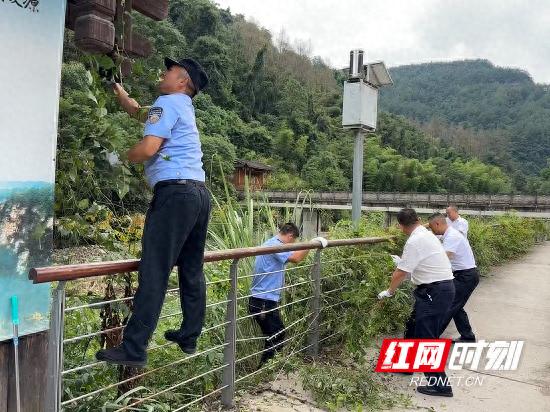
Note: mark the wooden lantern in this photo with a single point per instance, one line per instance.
(154, 9)
(93, 25)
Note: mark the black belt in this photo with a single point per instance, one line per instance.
(462, 271)
(170, 182)
(439, 282)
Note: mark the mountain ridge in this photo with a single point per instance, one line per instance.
(477, 94)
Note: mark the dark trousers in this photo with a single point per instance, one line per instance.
(174, 234)
(409, 326)
(432, 303)
(270, 323)
(465, 282)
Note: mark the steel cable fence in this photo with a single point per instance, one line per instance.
(229, 347)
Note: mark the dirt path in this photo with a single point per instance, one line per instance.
(282, 395)
(513, 303)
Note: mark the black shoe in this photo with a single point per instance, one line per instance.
(118, 356)
(434, 391)
(175, 336)
(465, 340)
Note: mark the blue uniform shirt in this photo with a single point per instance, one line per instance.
(269, 263)
(172, 117)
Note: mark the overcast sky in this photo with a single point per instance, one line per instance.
(513, 33)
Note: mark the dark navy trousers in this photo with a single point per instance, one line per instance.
(432, 303)
(271, 324)
(465, 282)
(174, 235)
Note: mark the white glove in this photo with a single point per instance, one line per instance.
(113, 159)
(321, 240)
(396, 259)
(384, 294)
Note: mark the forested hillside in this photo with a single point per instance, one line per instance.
(270, 101)
(509, 112)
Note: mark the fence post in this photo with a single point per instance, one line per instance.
(229, 353)
(313, 350)
(55, 350)
(387, 219)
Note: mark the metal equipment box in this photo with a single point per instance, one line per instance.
(360, 106)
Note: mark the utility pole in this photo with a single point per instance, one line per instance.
(357, 195)
(360, 113)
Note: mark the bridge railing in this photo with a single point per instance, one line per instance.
(226, 355)
(413, 198)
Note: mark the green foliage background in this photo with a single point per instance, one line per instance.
(497, 114)
(273, 102)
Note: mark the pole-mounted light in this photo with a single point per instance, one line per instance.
(360, 113)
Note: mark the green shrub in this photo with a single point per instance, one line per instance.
(351, 319)
(499, 239)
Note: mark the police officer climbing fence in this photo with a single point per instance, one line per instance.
(177, 220)
(425, 260)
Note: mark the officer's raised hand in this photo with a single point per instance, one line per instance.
(118, 89)
(130, 105)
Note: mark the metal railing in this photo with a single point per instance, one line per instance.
(437, 200)
(234, 353)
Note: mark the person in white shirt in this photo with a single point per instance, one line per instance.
(425, 260)
(457, 221)
(466, 275)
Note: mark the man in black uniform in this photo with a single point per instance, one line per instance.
(425, 260)
(466, 275)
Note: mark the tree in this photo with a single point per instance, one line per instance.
(322, 173)
(218, 160)
(213, 56)
(477, 98)
(290, 148)
(195, 18)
